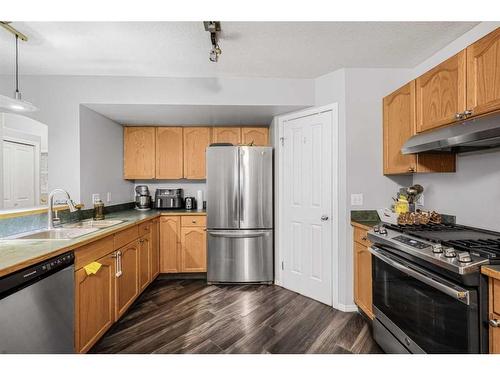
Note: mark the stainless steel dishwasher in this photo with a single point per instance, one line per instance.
(37, 308)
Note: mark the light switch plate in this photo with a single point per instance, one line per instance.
(357, 199)
(420, 200)
(95, 197)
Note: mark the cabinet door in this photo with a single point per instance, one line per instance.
(441, 93)
(127, 283)
(494, 314)
(196, 141)
(399, 126)
(226, 134)
(169, 156)
(483, 74)
(155, 249)
(94, 303)
(193, 249)
(363, 278)
(170, 244)
(139, 152)
(145, 252)
(256, 136)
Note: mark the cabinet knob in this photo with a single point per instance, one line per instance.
(468, 112)
(495, 323)
(459, 115)
(411, 169)
(193, 221)
(364, 238)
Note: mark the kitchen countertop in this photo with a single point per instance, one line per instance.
(365, 219)
(491, 271)
(16, 254)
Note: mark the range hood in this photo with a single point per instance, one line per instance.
(469, 135)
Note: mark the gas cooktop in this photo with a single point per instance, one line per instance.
(457, 248)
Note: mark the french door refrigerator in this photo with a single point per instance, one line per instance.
(239, 214)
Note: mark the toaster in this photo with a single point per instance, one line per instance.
(169, 198)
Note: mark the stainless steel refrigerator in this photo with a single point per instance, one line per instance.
(240, 214)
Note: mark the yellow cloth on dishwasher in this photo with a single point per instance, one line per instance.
(92, 268)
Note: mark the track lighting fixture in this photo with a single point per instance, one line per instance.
(213, 27)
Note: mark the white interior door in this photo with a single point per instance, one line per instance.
(18, 175)
(307, 206)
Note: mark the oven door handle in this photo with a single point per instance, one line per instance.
(460, 295)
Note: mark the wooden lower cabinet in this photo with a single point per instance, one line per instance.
(193, 249)
(127, 281)
(494, 314)
(362, 272)
(155, 248)
(94, 303)
(145, 259)
(170, 230)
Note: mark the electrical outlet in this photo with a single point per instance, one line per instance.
(357, 199)
(95, 197)
(108, 197)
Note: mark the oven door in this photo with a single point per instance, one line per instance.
(423, 312)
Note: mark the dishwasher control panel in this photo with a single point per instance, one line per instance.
(25, 276)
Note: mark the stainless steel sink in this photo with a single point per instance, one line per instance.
(55, 234)
(99, 224)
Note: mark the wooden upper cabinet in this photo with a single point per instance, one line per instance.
(193, 249)
(226, 134)
(441, 93)
(94, 303)
(399, 126)
(139, 152)
(169, 155)
(170, 228)
(259, 136)
(196, 140)
(483, 74)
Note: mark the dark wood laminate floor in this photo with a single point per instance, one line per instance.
(189, 316)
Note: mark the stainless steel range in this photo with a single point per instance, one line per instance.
(428, 292)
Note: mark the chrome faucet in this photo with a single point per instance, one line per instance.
(54, 221)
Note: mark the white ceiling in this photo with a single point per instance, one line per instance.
(161, 114)
(249, 49)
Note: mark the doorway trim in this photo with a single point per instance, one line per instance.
(279, 163)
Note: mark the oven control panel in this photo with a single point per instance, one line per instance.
(411, 242)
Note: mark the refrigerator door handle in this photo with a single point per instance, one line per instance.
(241, 182)
(237, 235)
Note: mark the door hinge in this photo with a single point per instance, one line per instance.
(282, 139)
(283, 265)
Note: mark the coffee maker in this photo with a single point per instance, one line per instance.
(142, 198)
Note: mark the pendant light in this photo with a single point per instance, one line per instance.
(15, 104)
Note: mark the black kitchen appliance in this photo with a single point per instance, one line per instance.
(428, 292)
(142, 198)
(169, 198)
(190, 203)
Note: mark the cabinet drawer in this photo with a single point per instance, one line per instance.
(93, 251)
(126, 236)
(144, 228)
(194, 221)
(361, 236)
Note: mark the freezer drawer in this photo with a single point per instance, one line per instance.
(240, 256)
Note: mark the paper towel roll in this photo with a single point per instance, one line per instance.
(199, 200)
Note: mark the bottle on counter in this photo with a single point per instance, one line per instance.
(98, 210)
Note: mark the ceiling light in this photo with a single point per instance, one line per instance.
(15, 104)
(213, 27)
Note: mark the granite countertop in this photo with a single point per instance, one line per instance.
(16, 254)
(366, 219)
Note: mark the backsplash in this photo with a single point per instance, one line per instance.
(21, 224)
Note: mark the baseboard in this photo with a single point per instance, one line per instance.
(183, 276)
(347, 308)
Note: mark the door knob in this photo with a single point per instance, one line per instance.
(324, 218)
